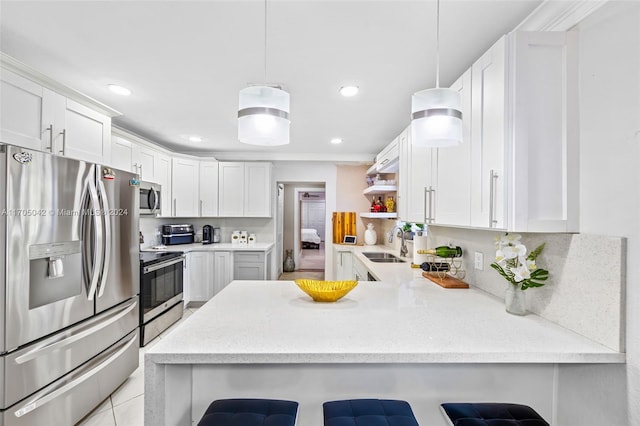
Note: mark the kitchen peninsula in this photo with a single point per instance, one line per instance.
(409, 340)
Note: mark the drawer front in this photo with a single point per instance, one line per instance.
(249, 257)
(36, 365)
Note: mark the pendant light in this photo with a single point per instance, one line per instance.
(263, 110)
(436, 115)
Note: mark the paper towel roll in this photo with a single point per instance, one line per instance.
(420, 243)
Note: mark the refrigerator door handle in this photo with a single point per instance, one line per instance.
(116, 316)
(106, 241)
(98, 238)
(42, 400)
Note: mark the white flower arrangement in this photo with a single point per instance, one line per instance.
(513, 263)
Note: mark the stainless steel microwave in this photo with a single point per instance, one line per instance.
(150, 198)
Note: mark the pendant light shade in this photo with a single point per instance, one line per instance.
(436, 114)
(263, 116)
(436, 118)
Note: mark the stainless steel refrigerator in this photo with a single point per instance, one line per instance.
(69, 274)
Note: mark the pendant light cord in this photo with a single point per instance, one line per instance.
(437, 44)
(265, 41)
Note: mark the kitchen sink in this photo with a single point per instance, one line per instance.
(379, 257)
(387, 260)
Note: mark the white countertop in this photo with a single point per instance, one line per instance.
(415, 321)
(186, 248)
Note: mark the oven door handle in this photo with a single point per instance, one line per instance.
(114, 317)
(44, 399)
(106, 242)
(155, 267)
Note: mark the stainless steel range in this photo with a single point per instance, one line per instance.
(161, 275)
(69, 282)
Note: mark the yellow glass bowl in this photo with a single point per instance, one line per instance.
(326, 291)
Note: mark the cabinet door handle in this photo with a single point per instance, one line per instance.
(493, 178)
(64, 141)
(140, 167)
(50, 130)
(432, 205)
(426, 194)
(175, 208)
(200, 207)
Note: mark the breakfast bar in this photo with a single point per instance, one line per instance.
(414, 341)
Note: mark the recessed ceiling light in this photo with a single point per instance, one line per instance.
(348, 91)
(195, 138)
(336, 141)
(119, 90)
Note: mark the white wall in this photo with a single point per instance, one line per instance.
(286, 172)
(610, 177)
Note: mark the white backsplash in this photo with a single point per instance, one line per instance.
(585, 289)
(151, 228)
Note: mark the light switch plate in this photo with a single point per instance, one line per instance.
(479, 261)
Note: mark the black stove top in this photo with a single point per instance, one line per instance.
(151, 257)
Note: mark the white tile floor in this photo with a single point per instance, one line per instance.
(125, 407)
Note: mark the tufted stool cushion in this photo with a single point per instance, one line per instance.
(492, 414)
(368, 412)
(250, 412)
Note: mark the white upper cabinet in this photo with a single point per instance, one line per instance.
(209, 188)
(451, 196)
(524, 134)
(416, 182)
(122, 154)
(185, 189)
(85, 134)
(162, 175)
(38, 118)
(231, 186)
(245, 189)
(21, 113)
(257, 190)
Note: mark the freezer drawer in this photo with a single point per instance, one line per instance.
(72, 397)
(35, 366)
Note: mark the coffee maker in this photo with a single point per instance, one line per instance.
(207, 234)
(210, 234)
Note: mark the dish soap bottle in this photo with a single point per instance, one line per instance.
(370, 235)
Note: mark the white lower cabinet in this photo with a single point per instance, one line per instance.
(199, 277)
(222, 270)
(343, 265)
(249, 265)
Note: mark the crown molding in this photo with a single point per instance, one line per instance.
(559, 15)
(12, 64)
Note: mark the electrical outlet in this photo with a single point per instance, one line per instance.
(479, 261)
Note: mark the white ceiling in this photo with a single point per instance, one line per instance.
(185, 62)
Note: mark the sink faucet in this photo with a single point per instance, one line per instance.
(403, 245)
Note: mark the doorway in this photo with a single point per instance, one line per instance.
(301, 227)
(312, 216)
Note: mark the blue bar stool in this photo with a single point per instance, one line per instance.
(491, 413)
(368, 412)
(250, 412)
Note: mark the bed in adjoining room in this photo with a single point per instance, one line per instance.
(310, 238)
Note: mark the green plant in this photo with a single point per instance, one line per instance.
(513, 263)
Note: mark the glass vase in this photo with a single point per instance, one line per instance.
(515, 301)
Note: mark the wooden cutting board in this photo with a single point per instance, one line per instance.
(446, 282)
(344, 223)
